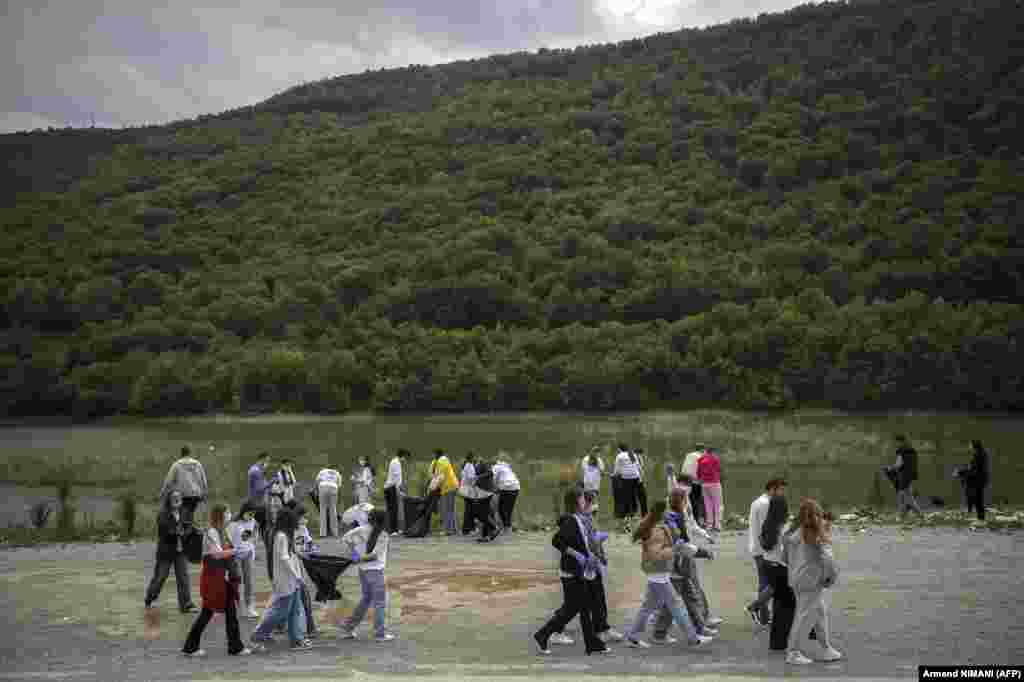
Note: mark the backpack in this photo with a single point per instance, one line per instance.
(485, 477)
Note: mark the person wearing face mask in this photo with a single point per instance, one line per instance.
(362, 481)
(287, 476)
(169, 552)
(304, 545)
(286, 606)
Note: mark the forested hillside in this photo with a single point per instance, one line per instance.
(820, 207)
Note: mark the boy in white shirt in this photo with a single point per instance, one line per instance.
(393, 486)
(758, 513)
(368, 546)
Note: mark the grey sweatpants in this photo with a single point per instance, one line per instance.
(811, 612)
(247, 565)
(328, 511)
(696, 602)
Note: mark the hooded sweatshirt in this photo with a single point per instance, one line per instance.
(188, 477)
(811, 567)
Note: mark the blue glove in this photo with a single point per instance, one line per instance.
(580, 559)
(355, 556)
(601, 536)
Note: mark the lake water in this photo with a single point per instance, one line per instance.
(831, 456)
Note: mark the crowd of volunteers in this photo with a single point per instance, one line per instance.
(792, 555)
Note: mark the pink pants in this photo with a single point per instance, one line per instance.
(712, 493)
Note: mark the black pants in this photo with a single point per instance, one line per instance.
(976, 500)
(468, 516)
(231, 623)
(481, 511)
(506, 503)
(641, 497)
(598, 605)
(391, 501)
(578, 600)
(188, 509)
(783, 607)
(697, 503)
(160, 573)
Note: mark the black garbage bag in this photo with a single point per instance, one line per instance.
(192, 544)
(418, 511)
(324, 570)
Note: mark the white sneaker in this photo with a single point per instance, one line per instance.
(613, 635)
(829, 654)
(198, 653)
(669, 639)
(714, 622)
(797, 658)
(561, 638)
(257, 646)
(252, 613)
(710, 632)
(701, 640)
(637, 643)
(386, 637)
(244, 652)
(346, 634)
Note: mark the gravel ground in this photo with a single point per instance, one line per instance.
(937, 596)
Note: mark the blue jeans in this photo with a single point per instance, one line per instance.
(657, 597)
(375, 595)
(288, 607)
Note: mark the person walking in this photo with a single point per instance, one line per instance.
(758, 514)
(469, 494)
(362, 480)
(188, 477)
(658, 551)
(218, 592)
(240, 533)
(627, 470)
(593, 470)
(287, 476)
(905, 471)
(976, 478)
(507, 484)
(709, 472)
(811, 570)
(327, 483)
(685, 577)
(690, 463)
(368, 547)
(446, 484)
(641, 489)
(169, 552)
(258, 489)
(393, 486)
(579, 566)
(286, 605)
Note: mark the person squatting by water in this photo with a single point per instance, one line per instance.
(217, 586)
(368, 547)
(188, 477)
(657, 554)
(170, 552)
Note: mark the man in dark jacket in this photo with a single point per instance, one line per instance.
(905, 470)
(976, 478)
(170, 552)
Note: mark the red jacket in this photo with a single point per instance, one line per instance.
(709, 469)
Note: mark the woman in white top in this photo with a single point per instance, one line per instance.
(507, 484)
(469, 493)
(368, 546)
(592, 467)
(287, 474)
(287, 595)
(327, 482)
(627, 472)
(362, 481)
(241, 533)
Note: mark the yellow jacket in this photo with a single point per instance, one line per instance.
(449, 481)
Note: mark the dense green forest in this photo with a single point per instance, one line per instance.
(819, 207)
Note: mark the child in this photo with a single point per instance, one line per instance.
(219, 594)
(368, 546)
(304, 545)
(241, 532)
(808, 554)
(287, 595)
(658, 553)
(362, 481)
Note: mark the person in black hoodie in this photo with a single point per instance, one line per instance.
(976, 478)
(904, 473)
(579, 566)
(169, 552)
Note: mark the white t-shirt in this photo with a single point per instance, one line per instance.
(690, 463)
(358, 537)
(357, 513)
(504, 477)
(287, 571)
(625, 467)
(211, 542)
(328, 478)
(394, 479)
(758, 512)
(235, 530)
(592, 474)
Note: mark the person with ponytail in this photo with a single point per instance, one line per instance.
(286, 604)
(658, 553)
(368, 547)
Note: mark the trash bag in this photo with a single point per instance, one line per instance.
(192, 545)
(418, 511)
(324, 570)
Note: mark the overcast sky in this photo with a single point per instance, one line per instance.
(63, 62)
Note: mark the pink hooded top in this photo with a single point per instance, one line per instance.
(709, 469)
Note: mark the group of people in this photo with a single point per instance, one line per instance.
(702, 467)
(794, 566)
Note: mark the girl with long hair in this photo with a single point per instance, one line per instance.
(811, 570)
(368, 546)
(218, 592)
(169, 552)
(657, 555)
(286, 604)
